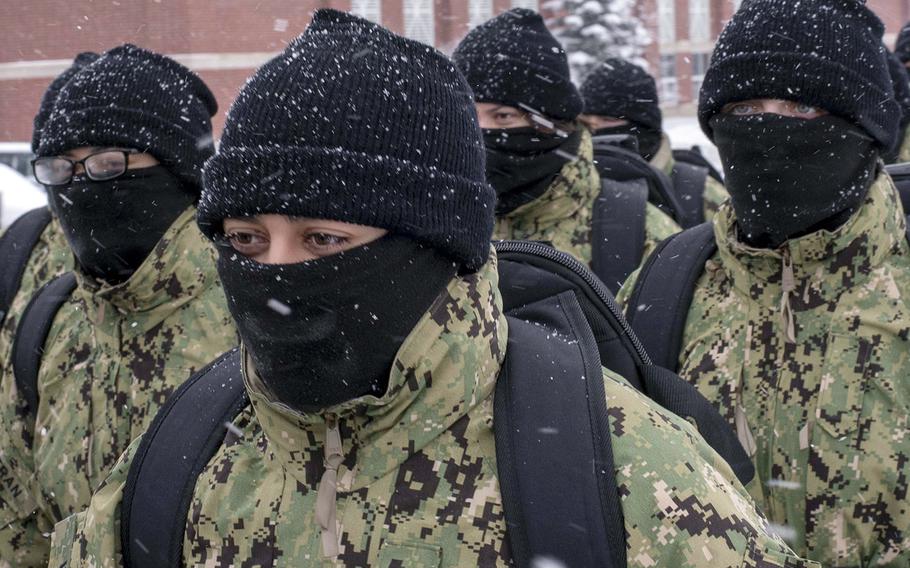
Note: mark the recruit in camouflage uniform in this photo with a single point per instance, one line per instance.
(112, 357)
(821, 397)
(715, 193)
(563, 215)
(417, 482)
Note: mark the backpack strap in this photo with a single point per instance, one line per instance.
(32, 332)
(553, 450)
(659, 304)
(689, 184)
(618, 230)
(695, 157)
(188, 429)
(16, 246)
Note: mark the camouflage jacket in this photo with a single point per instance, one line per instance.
(112, 357)
(805, 351)
(50, 258)
(715, 193)
(904, 155)
(563, 215)
(416, 480)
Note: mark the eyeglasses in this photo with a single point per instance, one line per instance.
(100, 166)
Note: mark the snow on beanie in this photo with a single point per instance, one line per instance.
(50, 95)
(621, 89)
(825, 53)
(356, 124)
(513, 59)
(131, 97)
(902, 48)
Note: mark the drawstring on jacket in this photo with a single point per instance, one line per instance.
(788, 285)
(326, 507)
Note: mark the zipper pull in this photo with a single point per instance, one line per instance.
(787, 285)
(326, 506)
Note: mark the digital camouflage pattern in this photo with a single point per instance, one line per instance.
(825, 411)
(715, 193)
(50, 258)
(563, 215)
(417, 483)
(112, 357)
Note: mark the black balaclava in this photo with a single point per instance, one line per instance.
(788, 177)
(649, 139)
(327, 331)
(112, 226)
(522, 163)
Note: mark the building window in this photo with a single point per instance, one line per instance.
(369, 9)
(699, 68)
(666, 21)
(479, 11)
(529, 4)
(419, 23)
(699, 20)
(669, 84)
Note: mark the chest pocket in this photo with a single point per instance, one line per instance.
(406, 555)
(848, 362)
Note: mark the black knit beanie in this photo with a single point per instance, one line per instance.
(356, 124)
(621, 89)
(824, 53)
(50, 95)
(514, 60)
(132, 97)
(902, 48)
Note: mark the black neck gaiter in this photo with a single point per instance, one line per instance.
(112, 226)
(649, 139)
(326, 331)
(788, 177)
(522, 163)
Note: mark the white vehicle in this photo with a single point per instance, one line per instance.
(17, 195)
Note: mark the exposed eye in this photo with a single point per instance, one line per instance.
(741, 109)
(801, 108)
(247, 243)
(325, 243)
(505, 116)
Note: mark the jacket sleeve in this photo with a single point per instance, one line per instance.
(622, 297)
(682, 504)
(658, 226)
(92, 537)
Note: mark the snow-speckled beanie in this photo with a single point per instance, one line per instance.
(356, 124)
(825, 53)
(621, 89)
(135, 98)
(902, 47)
(513, 59)
(50, 95)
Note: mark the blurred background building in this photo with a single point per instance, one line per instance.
(225, 40)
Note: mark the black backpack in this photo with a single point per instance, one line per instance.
(694, 157)
(550, 423)
(659, 304)
(15, 249)
(621, 164)
(900, 174)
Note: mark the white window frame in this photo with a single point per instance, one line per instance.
(699, 20)
(699, 78)
(369, 9)
(529, 4)
(479, 11)
(420, 21)
(668, 84)
(666, 21)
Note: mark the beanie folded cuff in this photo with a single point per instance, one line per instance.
(182, 152)
(448, 212)
(819, 82)
(540, 90)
